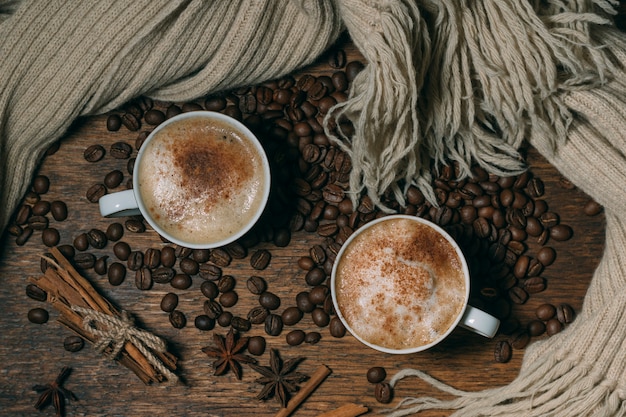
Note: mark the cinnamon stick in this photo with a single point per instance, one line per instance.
(67, 288)
(346, 410)
(316, 379)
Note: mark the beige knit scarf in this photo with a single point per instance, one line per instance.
(447, 79)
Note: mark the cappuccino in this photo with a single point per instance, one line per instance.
(202, 180)
(400, 284)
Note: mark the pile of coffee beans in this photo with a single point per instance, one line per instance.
(492, 218)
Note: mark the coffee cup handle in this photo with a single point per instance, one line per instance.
(119, 204)
(479, 322)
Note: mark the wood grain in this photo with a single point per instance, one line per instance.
(33, 354)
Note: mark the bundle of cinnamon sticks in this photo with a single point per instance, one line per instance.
(67, 289)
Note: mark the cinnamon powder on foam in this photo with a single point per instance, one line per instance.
(400, 284)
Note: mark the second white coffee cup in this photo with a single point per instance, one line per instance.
(201, 180)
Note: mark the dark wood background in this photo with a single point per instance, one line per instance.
(33, 354)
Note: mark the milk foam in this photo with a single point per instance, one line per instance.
(400, 284)
(201, 182)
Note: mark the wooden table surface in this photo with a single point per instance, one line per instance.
(34, 354)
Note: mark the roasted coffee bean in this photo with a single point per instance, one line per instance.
(303, 302)
(209, 289)
(36, 293)
(209, 272)
(260, 259)
(94, 153)
(534, 285)
(269, 300)
(561, 232)
(337, 58)
(212, 308)
(135, 260)
(204, 322)
(312, 338)
(383, 392)
(114, 232)
(546, 255)
(143, 279)
(73, 343)
(226, 283)
(120, 249)
(225, 319)
(97, 238)
(256, 285)
(256, 345)
(236, 250)
(535, 187)
(520, 340)
(534, 268)
(38, 315)
(318, 294)
(549, 219)
(100, 267)
(257, 315)
(521, 266)
(120, 150)
(168, 256)
(592, 208)
(536, 328)
(178, 319)
(333, 194)
(273, 324)
(240, 324)
(181, 281)
(228, 298)
(503, 351)
(131, 122)
(291, 315)
(553, 326)
(201, 255)
(38, 222)
(353, 68)
(545, 311)
(67, 250)
(41, 208)
(113, 179)
(336, 327)
(154, 117)
(533, 226)
(376, 374)
(84, 260)
(320, 317)
(50, 237)
(163, 275)
(282, 237)
(41, 184)
(315, 276)
(135, 225)
(152, 258)
(215, 103)
(114, 122)
(94, 192)
(116, 273)
(518, 295)
(306, 263)
(220, 257)
(295, 337)
(565, 313)
(189, 266)
(23, 214)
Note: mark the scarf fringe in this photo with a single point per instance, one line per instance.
(465, 82)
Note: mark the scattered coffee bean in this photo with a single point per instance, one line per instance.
(260, 259)
(94, 153)
(303, 302)
(84, 260)
(295, 337)
(225, 319)
(273, 324)
(27, 232)
(565, 313)
(204, 322)
(73, 343)
(41, 208)
(257, 315)
(114, 122)
(240, 324)
(256, 285)
(58, 209)
(226, 283)
(181, 281)
(312, 338)
(553, 326)
(154, 117)
(269, 300)
(113, 179)
(189, 266)
(97, 238)
(376, 374)
(100, 267)
(131, 122)
(520, 340)
(383, 392)
(177, 319)
(592, 208)
(94, 192)
(38, 315)
(135, 260)
(536, 328)
(212, 308)
(561, 232)
(168, 256)
(121, 250)
(116, 273)
(209, 289)
(336, 327)
(36, 293)
(320, 317)
(38, 222)
(546, 255)
(256, 345)
(228, 299)
(135, 225)
(291, 316)
(503, 352)
(50, 237)
(545, 312)
(143, 279)
(41, 184)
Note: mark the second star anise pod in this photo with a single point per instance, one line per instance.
(55, 393)
(227, 351)
(280, 378)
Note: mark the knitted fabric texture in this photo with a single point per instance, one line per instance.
(446, 80)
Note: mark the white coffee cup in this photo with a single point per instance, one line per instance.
(400, 284)
(201, 180)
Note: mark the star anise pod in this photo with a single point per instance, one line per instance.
(280, 378)
(55, 393)
(227, 352)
